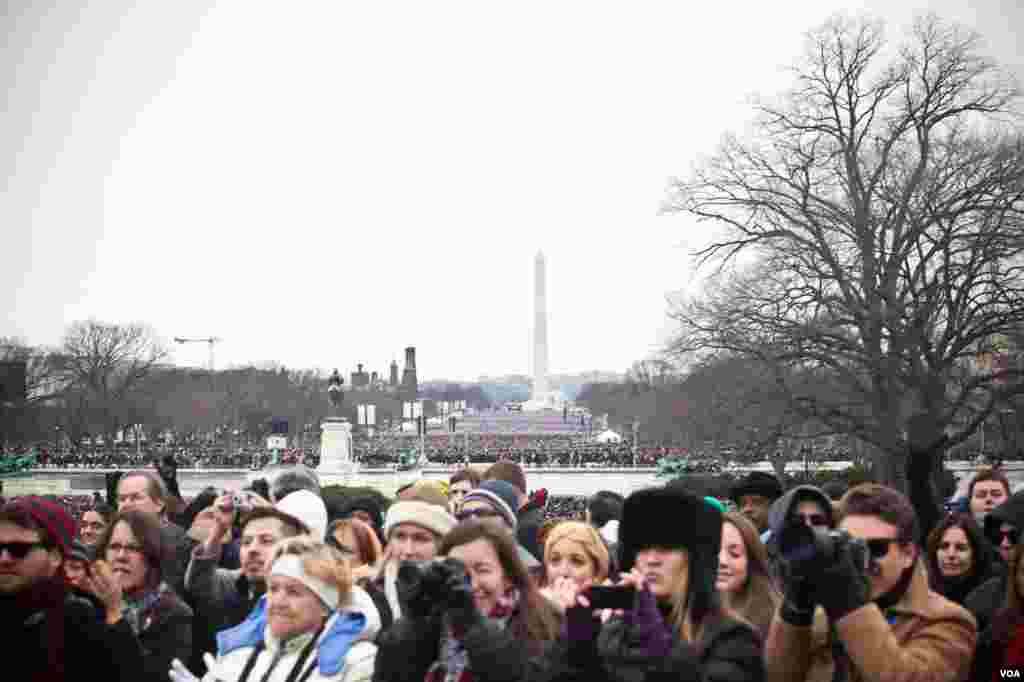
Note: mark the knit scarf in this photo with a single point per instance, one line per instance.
(452, 664)
(141, 608)
(1013, 655)
(41, 605)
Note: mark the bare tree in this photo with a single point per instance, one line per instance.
(872, 239)
(104, 364)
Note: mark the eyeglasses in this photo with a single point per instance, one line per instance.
(812, 519)
(117, 547)
(20, 550)
(1013, 535)
(879, 547)
(467, 514)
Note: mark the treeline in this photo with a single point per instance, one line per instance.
(109, 379)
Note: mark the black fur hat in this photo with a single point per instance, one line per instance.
(674, 518)
(757, 483)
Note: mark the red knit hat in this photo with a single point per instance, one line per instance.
(57, 524)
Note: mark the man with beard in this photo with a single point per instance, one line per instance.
(225, 597)
(51, 634)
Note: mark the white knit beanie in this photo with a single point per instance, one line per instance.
(308, 508)
(430, 516)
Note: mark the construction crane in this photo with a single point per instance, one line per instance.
(210, 340)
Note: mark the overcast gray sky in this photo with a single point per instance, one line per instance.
(324, 183)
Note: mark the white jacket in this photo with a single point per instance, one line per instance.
(356, 666)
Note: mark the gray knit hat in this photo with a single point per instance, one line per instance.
(500, 495)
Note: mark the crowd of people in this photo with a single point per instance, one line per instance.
(370, 453)
(475, 578)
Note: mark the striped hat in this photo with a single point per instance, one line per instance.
(57, 524)
(501, 496)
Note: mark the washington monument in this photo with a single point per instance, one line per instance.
(540, 329)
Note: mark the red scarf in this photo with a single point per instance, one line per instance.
(1013, 654)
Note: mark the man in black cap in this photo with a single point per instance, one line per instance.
(754, 495)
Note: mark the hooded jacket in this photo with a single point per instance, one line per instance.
(986, 599)
(783, 507)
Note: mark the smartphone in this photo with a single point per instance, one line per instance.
(610, 597)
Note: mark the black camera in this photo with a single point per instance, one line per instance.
(424, 581)
(806, 549)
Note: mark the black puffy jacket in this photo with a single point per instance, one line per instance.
(729, 651)
(407, 649)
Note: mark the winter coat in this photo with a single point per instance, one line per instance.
(990, 596)
(51, 627)
(165, 636)
(344, 651)
(986, 599)
(924, 636)
(729, 651)
(222, 599)
(406, 651)
(179, 552)
(531, 517)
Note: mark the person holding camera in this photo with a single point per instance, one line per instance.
(414, 531)
(882, 621)
(672, 625)
(475, 615)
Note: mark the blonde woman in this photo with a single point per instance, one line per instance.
(306, 630)
(743, 581)
(669, 541)
(575, 557)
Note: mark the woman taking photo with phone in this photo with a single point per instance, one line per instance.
(676, 628)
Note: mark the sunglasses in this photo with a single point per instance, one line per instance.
(20, 550)
(879, 547)
(1013, 535)
(812, 519)
(467, 514)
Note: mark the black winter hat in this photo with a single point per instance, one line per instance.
(757, 483)
(674, 518)
(367, 504)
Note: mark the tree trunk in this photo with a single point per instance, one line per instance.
(926, 444)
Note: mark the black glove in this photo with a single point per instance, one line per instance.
(458, 599)
(418, 600)
(843, 586)
(798, 600)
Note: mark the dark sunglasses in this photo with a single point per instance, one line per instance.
(20, 550)
(467, 514)
(813, 519)
(1013, 535)
(879, 547)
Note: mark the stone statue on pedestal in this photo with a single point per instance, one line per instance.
(336, 436)
(335, 396)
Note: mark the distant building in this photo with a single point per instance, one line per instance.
(360, 378)
(410, 386)
(393, 379)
